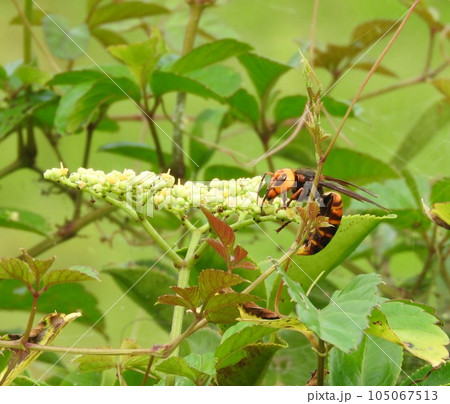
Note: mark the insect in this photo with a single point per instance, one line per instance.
(299, 183)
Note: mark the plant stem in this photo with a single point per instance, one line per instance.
(321, 354)
(369, 75)
(178, 167)
(32, 315)
(27, 55)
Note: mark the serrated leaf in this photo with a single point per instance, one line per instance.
(244, 106)
(428, 125)
(209, 54)
(95, 363)
(64, 42)
(427, 376)
(225, 306)
(263, 72)
(190, 294)
(178, 366)
(222, 229)
(351, 232)
(211, 281)
(343, 321)
(72, 274)
(43, 334)
(174, 301)
(376, 362)
(166, 82)
(230, 351)
(412, 327)
(23, 220)
(37, 266)
(220, 248)
(14, 268)
(76, 77)
(289, 107)
(239, 254)
(141, 57)
(123, 11)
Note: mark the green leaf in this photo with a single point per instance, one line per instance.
(72, 274)
(223, 171)
(95, 363)
(139, 151)
(351, 232)
(376, 362)
(440, 191)
(367, 66)
(244, 106)
(23, 220)
(32, 75)
(23, 380)
(230, 351)
(166, 82)
(101, 95)
(123, 11)
(209, 54)
(223, 308)
(427, 376)
(413, 327)
(15, 268)
(288, 107)
(69, 297)
(263, 72)
(371, 31)
(147, 286)
(76, 77)
(178, 366)
(37, 15)
(343, 321)
(222, 229)
(251, 369)
(442, 85)
(141, 57)
(339, 108)
(223, 80)
(427, 126)
(439, 214)
(211, 281)
(44, 333)
(359, 168)
(37, 266)
(64, 42)
(108, 37)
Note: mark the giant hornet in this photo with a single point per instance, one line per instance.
(299, 184)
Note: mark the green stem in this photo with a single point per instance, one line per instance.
(32, 315)
(178, 167)
(183, 282)
(10, 168)
(321, 354)
(27, 53)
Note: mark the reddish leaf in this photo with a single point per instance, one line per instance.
(239, 254)
(211, 281)
(222, 229)
(218, 302)
(244, 265)
(174, 301)
(191, 295)
(219, 247)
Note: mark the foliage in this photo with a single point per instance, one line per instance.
(235, 301)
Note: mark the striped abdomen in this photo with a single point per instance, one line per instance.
(320, 238)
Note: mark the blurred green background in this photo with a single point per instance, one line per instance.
(275, 29)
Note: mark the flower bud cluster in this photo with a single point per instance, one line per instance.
(159, 191)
